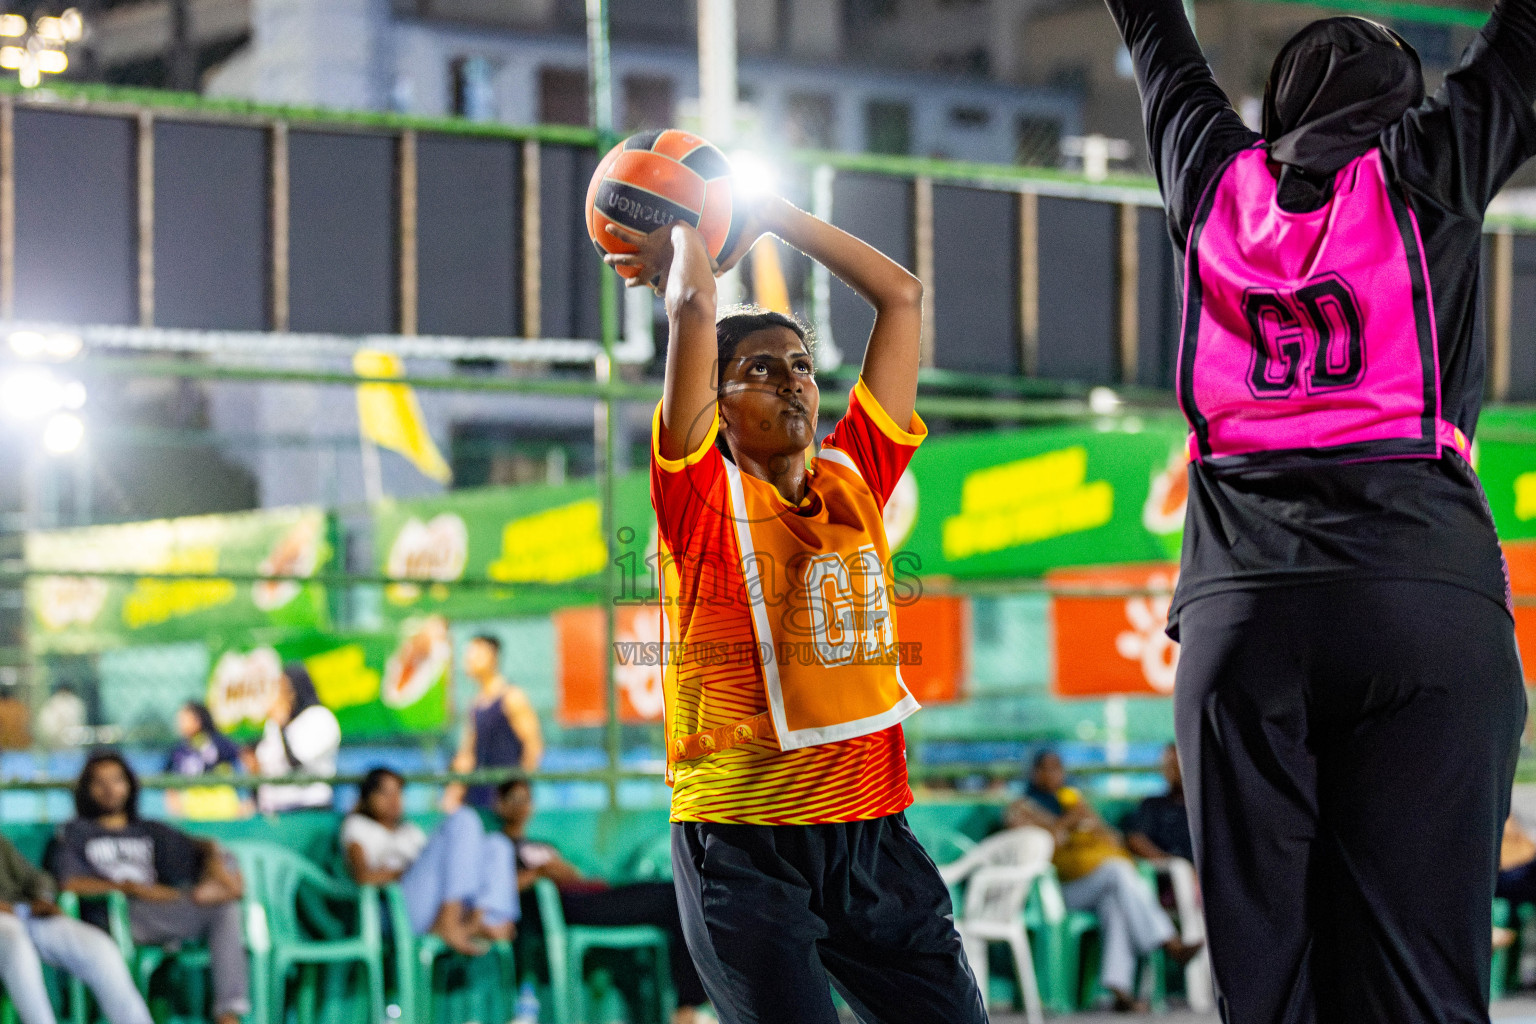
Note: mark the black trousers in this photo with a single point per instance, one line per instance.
(1348, 751)
(773, 911)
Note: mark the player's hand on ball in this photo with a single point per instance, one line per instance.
(758, 214)
(652, 257)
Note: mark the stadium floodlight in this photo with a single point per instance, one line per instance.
(55, 346)
(1103, 402)
(52, 62)
(72, 25)
(30, 392)
(42, 45)
(752, 176)
(63, 433)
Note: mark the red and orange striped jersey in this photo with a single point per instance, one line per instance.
(755, 739)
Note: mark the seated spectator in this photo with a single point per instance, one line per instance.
(179, 887)
(301, 737)
(592, 901)
(202, 750)
(33, 932)
(458, 883)
(1097, 874)
(1159, 827)
(1517, 864)
(1158, 831)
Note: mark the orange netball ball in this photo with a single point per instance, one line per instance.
(654, 179)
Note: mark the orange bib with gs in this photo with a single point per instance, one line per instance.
(817, 580)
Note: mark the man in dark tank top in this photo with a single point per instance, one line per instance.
(502, 730)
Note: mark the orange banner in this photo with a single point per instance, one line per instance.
(1520, 556)
(936, 626)
(1114, 645)
(582, 666)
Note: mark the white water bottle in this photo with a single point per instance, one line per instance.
(527, 1005)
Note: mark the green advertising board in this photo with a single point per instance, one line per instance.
(495, 551)
(1505, 456)
(1019, 503)
(77, 612)
(378, 684)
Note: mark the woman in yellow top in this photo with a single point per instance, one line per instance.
(793, 860)
(1097, 874)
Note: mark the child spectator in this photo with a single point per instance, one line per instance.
(178, 887)
(33, 932)
(457, 882)
(202, 750)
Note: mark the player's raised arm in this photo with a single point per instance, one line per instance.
(1190, 124)
(673, 261)
(891, 360)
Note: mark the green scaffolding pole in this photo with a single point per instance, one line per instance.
(1389, 10)
(599, 75)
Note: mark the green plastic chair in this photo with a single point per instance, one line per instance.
(1068, 981)
(416, 957)
(653, 861)
(289, 925)
(566, 947)
(1499, 976)
(144, 961)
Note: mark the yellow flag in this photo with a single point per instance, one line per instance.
(769, 289)
(390, 416)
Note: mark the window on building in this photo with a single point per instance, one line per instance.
(862, 12)
(888, 127)
(973, 63)
(648, 102)
(809, 120)
(474, 93)
(970, 117)
(562, 96)
(1038, 141)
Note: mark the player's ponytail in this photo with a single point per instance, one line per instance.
(733, 327)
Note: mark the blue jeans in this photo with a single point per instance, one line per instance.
(87, 952)
(461, 864)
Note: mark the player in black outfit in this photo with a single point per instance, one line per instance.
(1349, 698)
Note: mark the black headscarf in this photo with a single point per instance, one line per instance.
(1334, 87)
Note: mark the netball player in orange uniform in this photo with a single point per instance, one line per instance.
(793, 860)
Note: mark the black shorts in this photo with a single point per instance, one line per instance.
(772, 912)
(1348, 750)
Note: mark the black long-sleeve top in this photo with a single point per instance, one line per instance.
(1408, 519)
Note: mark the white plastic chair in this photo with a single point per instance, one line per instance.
(999, 874)
(1199, 987)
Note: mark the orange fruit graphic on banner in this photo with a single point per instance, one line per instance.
(1109, 639)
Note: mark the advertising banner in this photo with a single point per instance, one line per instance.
(379, 684)
(473, 553)
(1019, 503)
(88, 612)
(1109, 645)
(934, 627)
